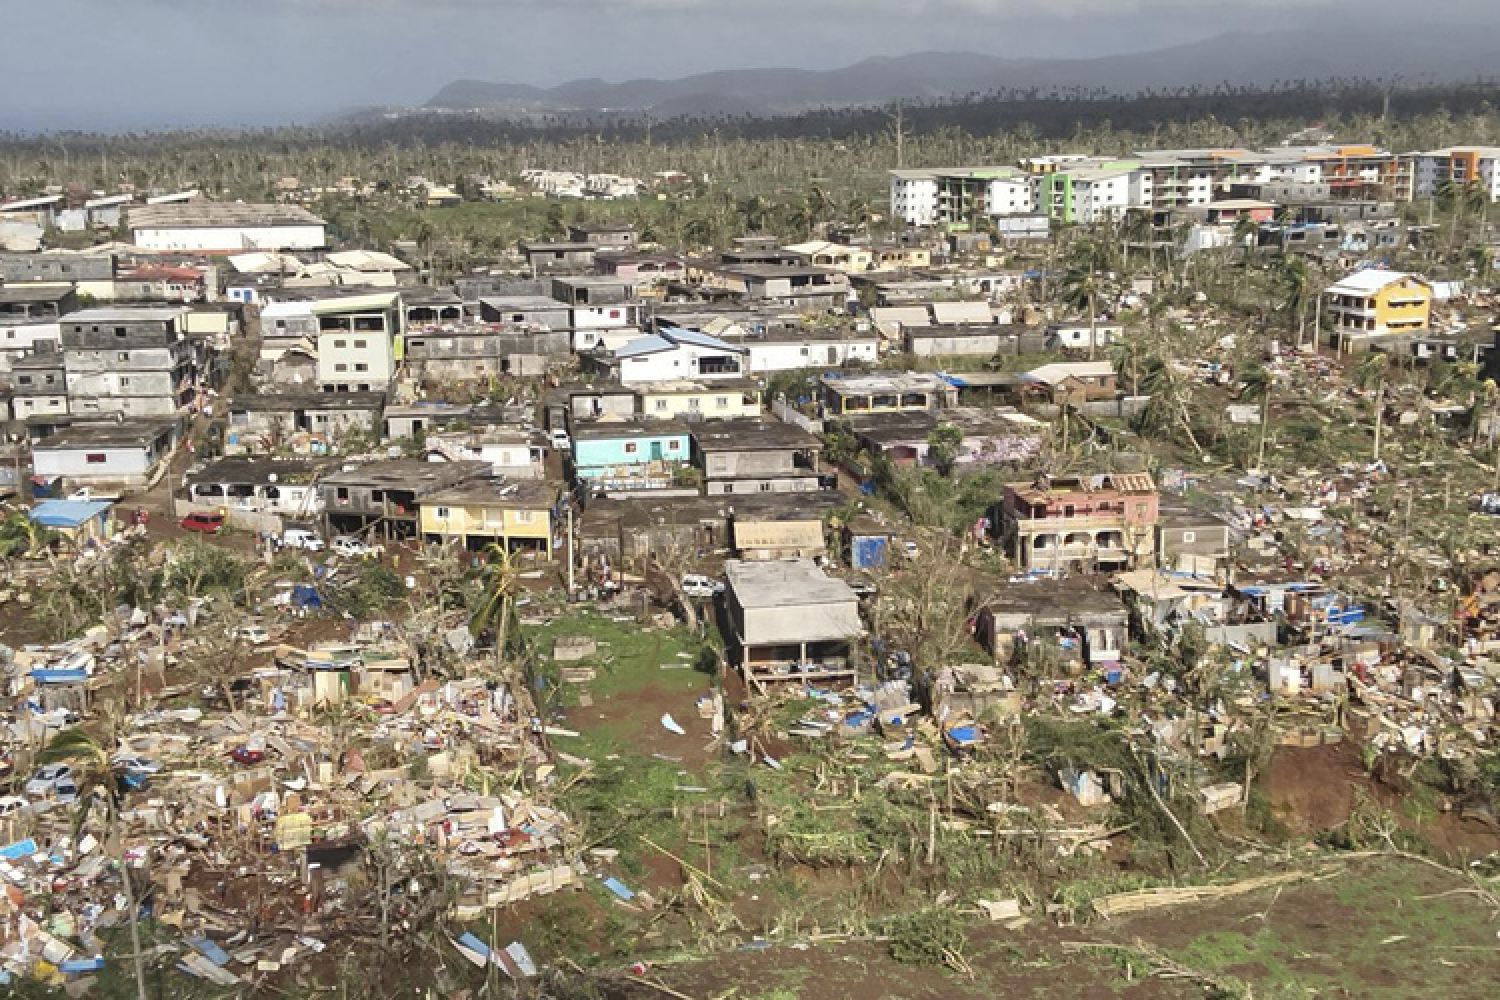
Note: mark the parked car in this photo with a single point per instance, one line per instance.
(247, 755)
(11, 806)
(136, 763)
(208, 524)
(301, 538)
(50, 781)
(560, 440)
(699, 586)
(351, 547)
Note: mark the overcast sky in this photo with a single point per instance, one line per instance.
(138, 63)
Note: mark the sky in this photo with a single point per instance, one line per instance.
(122, 64)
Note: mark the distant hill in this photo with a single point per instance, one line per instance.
(1352, 50)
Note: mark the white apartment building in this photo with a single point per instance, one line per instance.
(1459, 164)
(1100, 194)
(914, 196)
(356, 350)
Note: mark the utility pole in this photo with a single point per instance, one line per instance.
(570, 551)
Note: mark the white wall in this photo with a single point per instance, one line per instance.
(781, 357)
(232, 238)
(679, 363)
(36, 406)
(119, 464)
(1010, 197)
(366, 358)
(914, 200)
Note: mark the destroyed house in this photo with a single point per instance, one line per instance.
(385, 497)
(1052, 623)
(1079, 523)
(990, 436)
(1072, 382)
(632, 530)
(306, 422)
(790, 621)
(559, 258)
(755, 455)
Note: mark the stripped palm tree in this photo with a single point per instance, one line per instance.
(1257, 385)
(97, 784)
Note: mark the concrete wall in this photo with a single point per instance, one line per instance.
(238, 238)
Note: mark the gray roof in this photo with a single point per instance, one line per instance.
(214, 214)
(751, 434)
(126, 434)
(826, 607)
(125, 314)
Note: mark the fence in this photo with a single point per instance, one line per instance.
(790, 414)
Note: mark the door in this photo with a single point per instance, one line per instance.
(656, 454)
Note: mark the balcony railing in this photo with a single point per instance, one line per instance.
(1037, 525)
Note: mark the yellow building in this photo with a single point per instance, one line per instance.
(1371, 305)
(689, 400)
(513, 513)
(898, 258)
(836, 256)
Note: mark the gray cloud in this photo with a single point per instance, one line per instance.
(149, 62)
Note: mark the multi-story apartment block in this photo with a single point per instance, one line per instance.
(1459, 166)
(1372, 304)
(134, 362)
(959, 195)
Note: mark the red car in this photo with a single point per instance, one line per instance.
(247, 755)
(209, 524)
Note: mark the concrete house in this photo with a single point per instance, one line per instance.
(18, 340)
(559, 258)
(285, 488)
(1072, 382)
(609, 237)
(811, 289)
(894, 393)
(479, 351)
(688, 400)
(385, 497)
(1373, 305)
(481, 512)
(1080, 523)
(790, 621)
(137, 362)
(110, 455)
(36, 303)
(307, 422)
(357, 341)
(624, 455)
(40, 385)
(755, 456)
(1079, 335)
(1059, 625)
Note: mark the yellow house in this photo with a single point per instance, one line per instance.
(836, 256)
(1373, 304)
(689, 400)
(514, 513)
(898, 258)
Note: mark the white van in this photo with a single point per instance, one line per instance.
(301, 538)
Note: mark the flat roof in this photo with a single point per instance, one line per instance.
(603, 430)
(68, 513)
(409, 473)
(218, 214)
(789, 583)
(750, 434)
(894, 382)
(534, 494)
(110, 434)
(262, 402)
(48, 292)
(243, 469)
(126, 314)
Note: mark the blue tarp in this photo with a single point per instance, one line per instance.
(617, 887)
(60, 676)
(20, 849)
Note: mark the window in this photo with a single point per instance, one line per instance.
(95, 458)
(23, 379)
(765, 487)
(614, 314)
(360, 344)
(124, 383)
(341, 343)
(722, 402)
(119, 331)
(281, 324)
(442, 513)
(342, 494)
(524, 516)
(1189, 537)
(661, 405)
(695, 403)
(674, 445)
(360, 366)
(340, 368)
(631, 447)
(123, 356)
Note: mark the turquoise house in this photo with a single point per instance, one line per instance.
(630, 454)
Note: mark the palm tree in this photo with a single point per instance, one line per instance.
(1169, 401)
(1084, 282)
(1372, 371)
(1296, 282)
(497, 608)
(97, 782)
(1257, 384)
